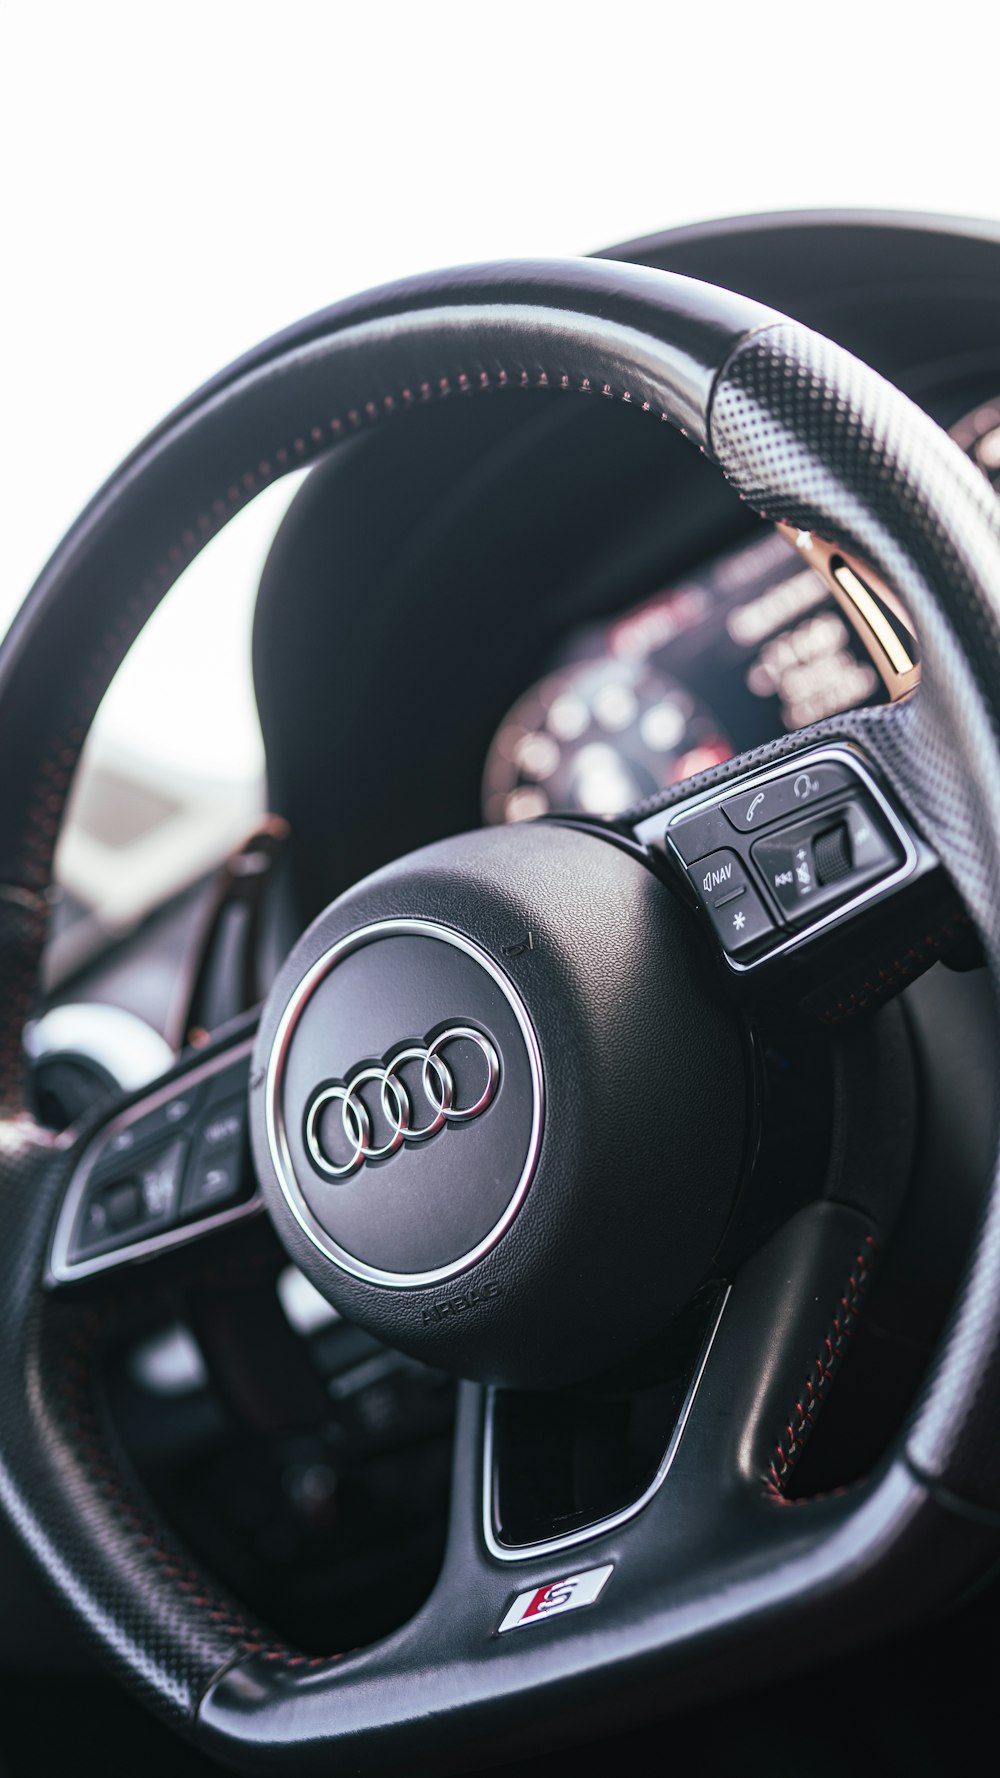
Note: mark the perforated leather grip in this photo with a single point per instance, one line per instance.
(811, 437)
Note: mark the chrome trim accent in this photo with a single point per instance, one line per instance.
(61, 1269)
(505, 1552)
(274, 1118)
(463, 1114)
(861, 594)
(650, 831)
(354, 1117)
(359, 1136)
(446, 1089)
(572, 1592)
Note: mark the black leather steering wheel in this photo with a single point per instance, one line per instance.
(598, 995)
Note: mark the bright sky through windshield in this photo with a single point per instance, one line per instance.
(175, 190)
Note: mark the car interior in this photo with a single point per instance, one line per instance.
(501, 1250)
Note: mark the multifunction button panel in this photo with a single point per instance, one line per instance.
(165, 1168)
(791, 850)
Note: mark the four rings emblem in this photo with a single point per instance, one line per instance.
(438, 1091)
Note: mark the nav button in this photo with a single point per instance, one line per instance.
(730, 901)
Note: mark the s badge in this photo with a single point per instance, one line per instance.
(558, 1596)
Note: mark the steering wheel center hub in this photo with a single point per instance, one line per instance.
(500, 1105)
(405, 1103)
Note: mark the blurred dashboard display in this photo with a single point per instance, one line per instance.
(752, 645)
(594, 737)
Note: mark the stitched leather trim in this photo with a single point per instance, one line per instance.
(23, 927)
(798, 1428)
(881, 978)
(108, 1477)
(880, 982)
(61, 757)
(103, 1473)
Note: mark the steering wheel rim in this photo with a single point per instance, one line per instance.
(806, 435)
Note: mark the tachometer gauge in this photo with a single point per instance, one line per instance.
(595, 737)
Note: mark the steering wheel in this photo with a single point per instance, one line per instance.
(504, 1097)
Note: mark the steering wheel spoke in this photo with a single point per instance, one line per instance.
(715, 1547)
(166, 1169)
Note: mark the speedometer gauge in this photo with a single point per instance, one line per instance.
(595, 737)
(752, 644)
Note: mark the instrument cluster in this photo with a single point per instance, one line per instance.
(749, 646)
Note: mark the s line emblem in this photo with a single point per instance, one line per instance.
(558, 1596)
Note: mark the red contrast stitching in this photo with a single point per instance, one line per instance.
(23, 926)
(76, 1377)
(77, 1392)
(889, 978)
(56, 770)
(789, 1447)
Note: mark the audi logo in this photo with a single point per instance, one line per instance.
(439, 1091)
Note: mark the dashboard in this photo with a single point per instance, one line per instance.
(752, 645)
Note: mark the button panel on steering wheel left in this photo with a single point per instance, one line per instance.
(174, 1164)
